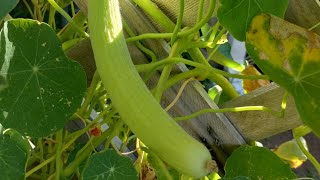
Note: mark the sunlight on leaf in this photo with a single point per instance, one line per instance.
(236, 15)
(14, 151)
(290, 152)
(43, 87)
(290, 56)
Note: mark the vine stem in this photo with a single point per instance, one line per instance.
(86, 152)
(200, 10)
(179, 94)
(138, 43)
(74, 136)
(312, 159)
(160, 163)
(313, 27)
(179, 22)
(172, 60)
(157, 15)
(166, 72)
(29, 9)
(95, 81)
(194, 29)
(59, 163)
(234, 109)
(66, 15)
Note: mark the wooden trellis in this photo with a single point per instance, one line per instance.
(220, 132)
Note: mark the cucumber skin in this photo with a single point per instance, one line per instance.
(131, 97)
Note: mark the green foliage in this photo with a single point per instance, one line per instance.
(6, 7)
(14, 152)
(290, 152)
(109, 165)
(256, 163)
(44, 87)
(290, 56)
(236, 15)
(41, 89)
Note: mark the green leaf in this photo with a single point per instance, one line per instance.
(43, 87)
(215, 93)
(6, 7)
(237, 178)
(109, 165)
(291, 153)
(14, 151)
(257, 163)
(236, 15)
(290, 56)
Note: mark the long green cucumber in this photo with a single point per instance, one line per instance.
(131, 97)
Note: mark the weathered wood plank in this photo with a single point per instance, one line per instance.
(304, 13)
(257, 125)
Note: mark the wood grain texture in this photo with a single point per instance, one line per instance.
(171, 9)
(304, 13)
(257, 125)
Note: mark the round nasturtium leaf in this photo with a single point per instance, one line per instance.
(42, 87)
(257, 163)
(7, 6)
(14, 151)
(236, 15)
(109, 165)
(290, 56)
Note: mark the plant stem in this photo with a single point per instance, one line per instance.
(203, 21)
(235, 109)
(51, 21)
(214, 31)
(90, 93)
(59, 163)
(66, 15)
(74, 136)
(156, 65)
(184, 84)
(40, 166)
(157, 15)
(214, 43)
(200, 10)
(215, 74)
(194, 29)
(306, 152)
(149, 36)
(159, 162)
(138, 43)
(44, 169)
(29, 9)
(86, 152)
(220, 58)
(179, 22)
(166, 72)
(313, 27)
(284, 103)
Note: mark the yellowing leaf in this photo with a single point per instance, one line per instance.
(290, 152)
(250, 85)
(290, 56)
